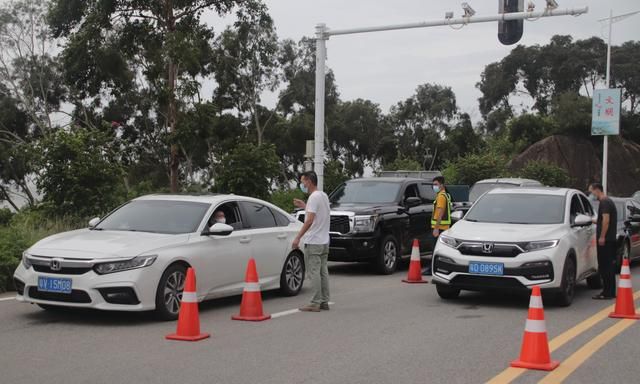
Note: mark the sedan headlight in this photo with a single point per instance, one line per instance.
(119, 266)
(450, 241)
(25, 260)
(365, 223)
(540, 245)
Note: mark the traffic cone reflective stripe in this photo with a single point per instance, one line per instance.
(625, 307)
(414, 276)
(251, 306)
(535, 346)
(188, 328)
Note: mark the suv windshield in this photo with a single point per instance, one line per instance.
(479, 189)
(158, 216)
(518, 208)
(376, 192)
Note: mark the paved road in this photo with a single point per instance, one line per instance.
(379, 331)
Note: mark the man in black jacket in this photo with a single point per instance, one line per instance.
(606, 237)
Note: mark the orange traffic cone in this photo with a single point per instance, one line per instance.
(188, 319)
(625, 309)
(415, 270)
(251, 306)
(535, 347)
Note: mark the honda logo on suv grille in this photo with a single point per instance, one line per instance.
(56, 264)
(487, 247)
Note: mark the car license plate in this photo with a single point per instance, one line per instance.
(486, 268)
(54, 284)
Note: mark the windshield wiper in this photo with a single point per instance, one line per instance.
(96, 229)
(471, 220)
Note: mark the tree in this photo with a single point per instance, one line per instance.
(471, 168)
(247, 170)
(403, 164)
(246, 61)
(156, 48)
(79, 174)
(548, 174)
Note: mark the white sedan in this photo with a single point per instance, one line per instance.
(135, 259)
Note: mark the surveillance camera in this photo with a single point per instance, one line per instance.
(552, 4)
(448, 15)
(468, 11)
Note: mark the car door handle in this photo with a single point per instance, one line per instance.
(282, 236)
(245, 240)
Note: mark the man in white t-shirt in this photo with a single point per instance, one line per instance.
(315, 236)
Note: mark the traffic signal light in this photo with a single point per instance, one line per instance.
(510, 32)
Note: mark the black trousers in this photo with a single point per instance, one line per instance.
(607, 267)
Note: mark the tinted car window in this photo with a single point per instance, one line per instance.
(479, 189)
(588, 208)
(258, 216)
(426, 191)
(281, 220)
(411, 191)
(160, 216)
(377, 192)
(518, 208)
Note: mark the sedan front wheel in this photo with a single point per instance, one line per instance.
(169, 293)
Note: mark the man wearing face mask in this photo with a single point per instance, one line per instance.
(606, 237)
(219, 217)
(315, 232)
(441, 216)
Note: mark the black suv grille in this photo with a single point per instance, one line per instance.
(496, 250)
(76, 296)
(339, 224)
(63, 271)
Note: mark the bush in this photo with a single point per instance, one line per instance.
(5, 216)
(471, 168)
(334, 175)
(284, 198)
(546, 173)
(24, 230)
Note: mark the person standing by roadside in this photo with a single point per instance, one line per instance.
(315, 235)
(441, 216)
(606, 237)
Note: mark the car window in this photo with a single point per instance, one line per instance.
(158, 216)
(576, 208)
(518, 208)
(588, 208)
(411, 191)
(258, 215)
(281, 220)
(426, 191)
(231, 214)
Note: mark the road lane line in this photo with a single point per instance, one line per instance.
(291, 312)
(510, 374)
(581, 355)
(7, 298)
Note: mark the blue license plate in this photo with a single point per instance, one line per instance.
(486, 268)
(54, 284)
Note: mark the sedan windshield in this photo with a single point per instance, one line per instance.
(518, 208)
(480, 188)
(158, 216)
(376, 192)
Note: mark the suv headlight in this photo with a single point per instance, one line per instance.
(540, 245)
(450, 241)
(365, 223)
(119, 266)
(25, 260)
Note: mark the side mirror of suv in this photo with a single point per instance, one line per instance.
(582, 221)
(93, 222)
(456, 216)
(634, 219)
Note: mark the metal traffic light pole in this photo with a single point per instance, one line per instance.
(323, 34)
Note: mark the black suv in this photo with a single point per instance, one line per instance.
(376, 220)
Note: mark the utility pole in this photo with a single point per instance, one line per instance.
(323, 34)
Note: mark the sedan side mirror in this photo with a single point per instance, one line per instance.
(218, 229)
(582, 221)
(634, 219)
(93, 222)
(456, 216)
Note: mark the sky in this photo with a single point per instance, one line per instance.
(386, 67)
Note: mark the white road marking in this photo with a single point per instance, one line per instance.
(290, 312)
(7, 298)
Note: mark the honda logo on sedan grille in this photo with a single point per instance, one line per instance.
(56, 264)
(487, 247)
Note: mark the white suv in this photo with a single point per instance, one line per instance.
(516, 238)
